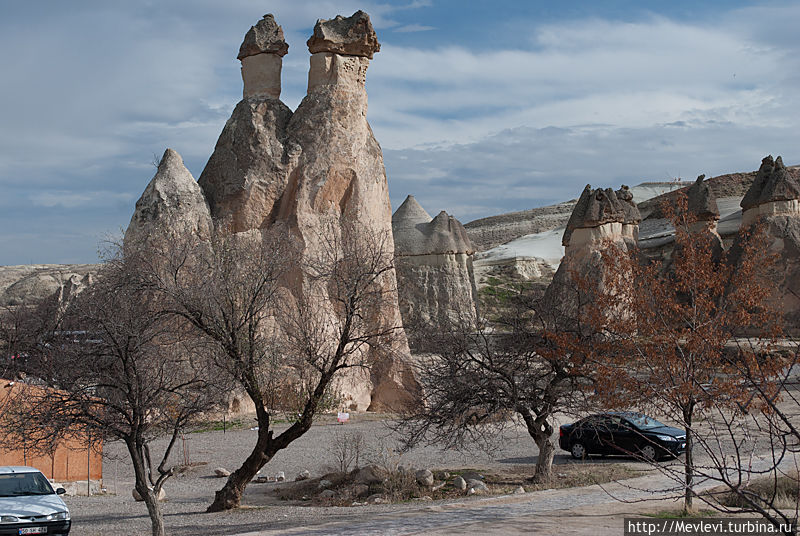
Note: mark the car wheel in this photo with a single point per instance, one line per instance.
(578, 451)
(648, 452)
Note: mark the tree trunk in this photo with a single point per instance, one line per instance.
(688, 468)
(154, 509)
(540, 430)
(141, 485)
(230, 495)
(544, 463)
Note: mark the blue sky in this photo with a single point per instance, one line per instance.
(480, 107)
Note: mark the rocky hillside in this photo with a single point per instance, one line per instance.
(33, 282)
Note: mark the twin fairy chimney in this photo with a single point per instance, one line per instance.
(298, 174)
(434, 262)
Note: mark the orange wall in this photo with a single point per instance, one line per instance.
(70, 458)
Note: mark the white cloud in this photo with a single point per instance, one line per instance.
(67, 199)
(410, 28)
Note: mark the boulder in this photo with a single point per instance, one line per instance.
(221, 472)
(371, 474)
(327, 494)
(351, 36)
(476, 487)
(302, 475)
(424, 478)
(459, 483)
(265, 37)
(519, 491)
(280, 476)
(324, 484)
(360, 490)
(162, 495)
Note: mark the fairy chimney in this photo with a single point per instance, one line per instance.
(261, 54)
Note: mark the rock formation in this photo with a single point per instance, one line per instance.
(596, 224)
(247, 174)
(631, 217)
(434, 260)
(172, 203)
(33, 284)
(773, 201)
(303, 172)
(774, 192)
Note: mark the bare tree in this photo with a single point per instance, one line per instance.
(668, 348)
(474, 377)
(115, 367)
(283, 326)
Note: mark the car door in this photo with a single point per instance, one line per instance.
(627, 437)
(594, 434)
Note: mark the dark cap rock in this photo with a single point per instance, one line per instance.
(265, 37)
(702, 202)
(593, 209)
(351, 36)
(629, 209)
(773, 182)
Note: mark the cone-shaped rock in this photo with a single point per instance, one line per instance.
(172, 203)
(434, 264)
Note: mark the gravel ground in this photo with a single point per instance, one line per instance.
(190, 493)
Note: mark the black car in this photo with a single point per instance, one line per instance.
(627, 432)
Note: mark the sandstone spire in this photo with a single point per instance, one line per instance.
(172, 203)
(246, 175)
(631, 216)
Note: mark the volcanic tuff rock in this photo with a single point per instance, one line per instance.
(594, 209)
(434, 261)
(36, 282)
(702, 202)
(265, 37)
(172, 204)
(773, 200)
(352, 36)
(596, 224)
(301, 171)
(774, 191)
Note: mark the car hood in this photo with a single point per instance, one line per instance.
(667, 430)
(32, 505)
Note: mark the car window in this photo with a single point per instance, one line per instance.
(19, 484)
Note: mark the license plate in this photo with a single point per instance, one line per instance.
(33, 530)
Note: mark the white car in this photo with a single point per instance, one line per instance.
(29, 505)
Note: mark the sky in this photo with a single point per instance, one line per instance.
(481, 108)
